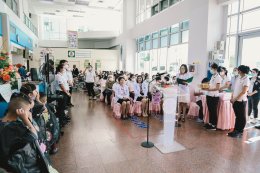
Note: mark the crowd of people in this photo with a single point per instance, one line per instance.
(33, 122)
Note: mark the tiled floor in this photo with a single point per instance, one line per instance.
(95, 142)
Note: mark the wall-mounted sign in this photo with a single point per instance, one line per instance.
(71, 54)
(86, 63)
(72, 39)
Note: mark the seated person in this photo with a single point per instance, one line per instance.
(122, 97)
(108, 89)
(18, 139)
(141, 91)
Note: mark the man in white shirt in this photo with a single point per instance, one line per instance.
(213, 97)
(90, 80)
(239, 100)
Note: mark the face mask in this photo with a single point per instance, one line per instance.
(90, 69)
(235, 73)
(212, 71)
(254, 75)
(222, 73)
(66, 66)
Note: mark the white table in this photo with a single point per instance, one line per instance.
(6, 92)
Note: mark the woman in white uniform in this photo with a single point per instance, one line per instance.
(184, 91)
(226, 79)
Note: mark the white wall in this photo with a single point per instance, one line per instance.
(108, 58)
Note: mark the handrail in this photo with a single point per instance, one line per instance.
(27, 21)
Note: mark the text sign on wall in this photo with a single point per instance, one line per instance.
(72, 39)
(79, 53)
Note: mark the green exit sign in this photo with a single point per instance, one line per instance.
(71, 53)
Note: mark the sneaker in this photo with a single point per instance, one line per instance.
(90, 98)
(199, 120)
(206, 125)
(257, 127)
(95, 98)
(211, 127)
(235, 134)
(253, 121)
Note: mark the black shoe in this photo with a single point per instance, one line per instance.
(235, 134)
(177, 124)
(211, 127)
(206, 125)
(257, 127)
(71, 105)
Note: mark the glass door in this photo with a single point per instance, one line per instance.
(249, 54)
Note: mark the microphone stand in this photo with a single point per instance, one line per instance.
(147, 143)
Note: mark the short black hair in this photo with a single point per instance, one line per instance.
(214, 66)
(167, 78)
(17, 103)
(59, 67)
(244, 69)
(63, 61)
(256, 70)
(26, 89)
(185, 66)
(220, 68)
(158, 78)
(120, 77)
(205, 80)
(139, 76)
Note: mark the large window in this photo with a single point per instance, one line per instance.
(147, 8)
(243, 20)
(13, 5)
(164, 50)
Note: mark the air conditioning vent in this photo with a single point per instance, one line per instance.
(76, 11)
(71, 0)
(81, 2)
(48, 13)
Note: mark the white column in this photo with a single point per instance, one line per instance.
(128, 42)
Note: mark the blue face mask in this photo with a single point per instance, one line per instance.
(212, 71)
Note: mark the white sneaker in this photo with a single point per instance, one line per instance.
(253, 121)
(95, 98)
(145, 114)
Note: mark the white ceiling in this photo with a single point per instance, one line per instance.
(74, 8)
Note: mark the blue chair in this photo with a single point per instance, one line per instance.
(3, 108)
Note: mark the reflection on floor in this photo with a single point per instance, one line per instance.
(95, 142)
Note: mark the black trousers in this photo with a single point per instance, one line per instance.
(201, 109)
(62, 103)
(253, 106)
(240, 112)
(107, 95)
(212, 103)
(69, 98)
(90, 88)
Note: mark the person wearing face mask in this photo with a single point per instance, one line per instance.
(212, 97)
(90, 80)
(174, 80)
(184, 92)
(62, 88)
(239, 101)
(70, 82)
(130, 84)
(233, 78)
(108, 89)
(226, 80)
(254, 95)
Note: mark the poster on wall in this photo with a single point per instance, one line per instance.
(72, 39)
(79, 54)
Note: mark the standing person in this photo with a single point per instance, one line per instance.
(141, 91)
(239, 101)
(233, 78)
(122, 97)
(254, 94)
(213, 97)
(70, 82)
(184, 91)
(62, 88)
(75, 71)
(226, 80)
(90, 79)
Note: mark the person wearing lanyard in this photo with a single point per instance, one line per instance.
(239, 101)
(254, 94)
(141, 91)
(213, 97)
(122, 97)
(90, 79)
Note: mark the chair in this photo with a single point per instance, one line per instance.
(194, 109)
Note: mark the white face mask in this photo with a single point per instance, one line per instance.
(212, 71)
(222, 73)
(235, 73)
(254, 75)
(66, 66)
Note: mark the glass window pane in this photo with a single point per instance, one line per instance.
(175, 39)
(164, 4)
(164, 32)
(155, 9)
(249, 4)
(184, 36)
(185, 25)
(174, 1)
(233, 8)
(232, 24)
(155, 43)
(175, 28)
(141, 46)
(154, 61)
(147, 37)
(251, 20)
(231, 51)
(164, 41)
(162, 58)
(177, 55)
(155, 35)
(147, 45)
